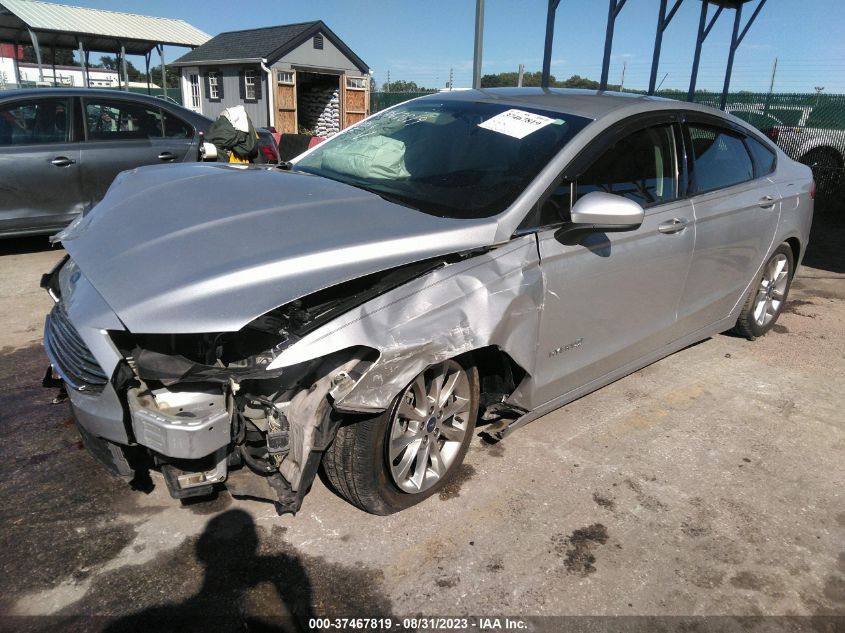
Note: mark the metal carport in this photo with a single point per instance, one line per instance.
(79, 28)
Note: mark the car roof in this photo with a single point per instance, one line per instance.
(96, 92)
(591, 104)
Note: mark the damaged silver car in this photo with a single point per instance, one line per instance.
(465, 258)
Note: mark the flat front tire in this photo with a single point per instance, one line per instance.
(397, 459)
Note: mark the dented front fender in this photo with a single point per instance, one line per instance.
(494, 298)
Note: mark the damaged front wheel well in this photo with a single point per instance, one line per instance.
(498, 375)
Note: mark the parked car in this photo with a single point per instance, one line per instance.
(268, 149)
(479, 255)
(61, 148)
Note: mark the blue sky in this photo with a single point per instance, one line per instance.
(421, 40)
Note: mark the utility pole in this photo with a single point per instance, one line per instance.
(774, 71)
(388, 81)
(451, 77)
(479, 44)
(519, 77)
(624, 68)
(771, 86)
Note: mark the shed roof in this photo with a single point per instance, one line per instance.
(269, 43)
(100, 30)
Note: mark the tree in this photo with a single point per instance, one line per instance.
(171, 72)
(577, 81)
(405, 86)
(503, 80)
(64, 56)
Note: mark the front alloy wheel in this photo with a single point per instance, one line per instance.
(428, 427)
(395, 460)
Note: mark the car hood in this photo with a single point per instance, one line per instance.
(208, 248)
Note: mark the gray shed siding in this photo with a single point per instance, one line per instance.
(329, 57)
(232, 93)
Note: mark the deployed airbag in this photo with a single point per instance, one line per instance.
(374, 157)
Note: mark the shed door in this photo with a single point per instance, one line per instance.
(354, 100)
(286, 102)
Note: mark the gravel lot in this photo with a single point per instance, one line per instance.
(710, 483)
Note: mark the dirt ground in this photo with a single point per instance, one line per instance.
(708, 484)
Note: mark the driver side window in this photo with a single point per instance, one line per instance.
(641, 167)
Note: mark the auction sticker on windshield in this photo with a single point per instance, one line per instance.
(516, 123)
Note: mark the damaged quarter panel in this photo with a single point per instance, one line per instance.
(492, 298)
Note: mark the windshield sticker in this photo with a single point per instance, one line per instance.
(516, 123)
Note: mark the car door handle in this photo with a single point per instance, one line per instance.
(167, 156)
(766, 202)
(675, 225)
(62, 161)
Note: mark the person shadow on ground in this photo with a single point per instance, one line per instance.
(240, 590)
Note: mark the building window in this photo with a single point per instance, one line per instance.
(195, 90)
(249, 84)
(356, 83)
(213, 84)
(318, 41)
(284, 77)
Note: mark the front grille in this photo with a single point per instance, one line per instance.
(69, 354)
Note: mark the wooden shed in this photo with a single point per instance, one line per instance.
(298, 78)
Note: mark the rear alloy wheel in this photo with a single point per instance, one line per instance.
(395, 460)
(766, 299)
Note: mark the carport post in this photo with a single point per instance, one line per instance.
(17, 69)
(702, 35)
(729, 68)
(736, 40)
(550, 34)
(614, 7)
(663, 21)
(160, 49)
(123, 65)
(87, 71)
(479, 44)
(53, 60)
(37, 48)
(147, 63)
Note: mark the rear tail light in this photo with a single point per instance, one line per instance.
(773, 134)
(813, 190)
(269, 153)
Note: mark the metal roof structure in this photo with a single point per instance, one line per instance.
(705, 25)
(263, 44)
(65, 26)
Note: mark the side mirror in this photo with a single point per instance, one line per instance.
(600, 212)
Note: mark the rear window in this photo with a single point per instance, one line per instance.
(764, 157)
(720, 159)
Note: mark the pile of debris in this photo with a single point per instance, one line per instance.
(319, 111)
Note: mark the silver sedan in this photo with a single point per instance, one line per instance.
(465, 258)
